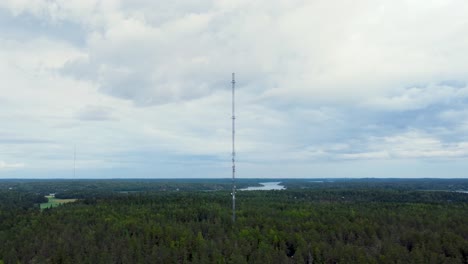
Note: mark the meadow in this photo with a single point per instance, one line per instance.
(54, 202)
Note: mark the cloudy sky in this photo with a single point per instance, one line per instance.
(325, 88)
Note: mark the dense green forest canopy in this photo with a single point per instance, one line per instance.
(81, 188)
(189, 221)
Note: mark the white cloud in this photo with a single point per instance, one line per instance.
(317, 81)
(367, 155)
(158, 52)
(409, 145)
(419, 98)
(4, 165)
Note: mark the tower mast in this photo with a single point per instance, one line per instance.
(233, 151)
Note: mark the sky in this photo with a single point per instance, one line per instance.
(324, 88)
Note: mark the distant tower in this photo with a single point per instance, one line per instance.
(233, 152)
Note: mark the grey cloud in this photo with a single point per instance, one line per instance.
(79, 68)
(416, 98)
(7, 138)
(24, 141)
(171, 51)
(453, 115)
(95, 113)
(436, 109)
(453, 83)
(26, 26)
(150, 80)
(309, 92)
(410, 144)
(187, 56)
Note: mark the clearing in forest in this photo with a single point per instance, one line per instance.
(54, 202)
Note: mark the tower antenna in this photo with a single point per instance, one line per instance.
(233, 151)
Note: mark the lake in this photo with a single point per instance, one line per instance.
(266, 187)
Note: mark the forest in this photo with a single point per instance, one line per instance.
(190, 221)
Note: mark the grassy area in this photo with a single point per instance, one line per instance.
(54, 202)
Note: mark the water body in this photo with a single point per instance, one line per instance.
(461, 191)
(266, 187)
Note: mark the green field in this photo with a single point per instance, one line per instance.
(54, 202)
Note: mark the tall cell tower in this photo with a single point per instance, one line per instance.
(233, 151)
